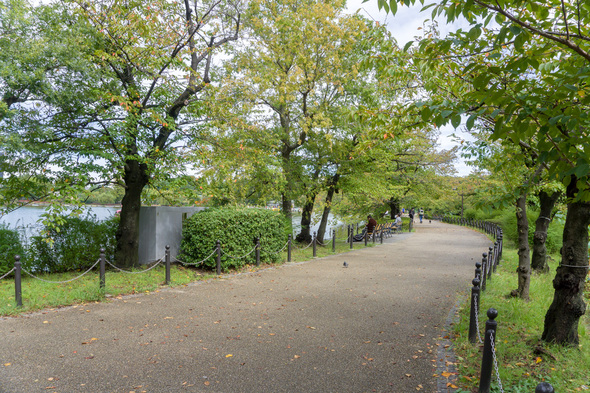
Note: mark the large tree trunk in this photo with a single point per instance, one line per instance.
(539, 258)
(524, 261)
(287, 207)
(393, 208)
(562, 318)
(327, 208)
(127, 236)
(304, 235)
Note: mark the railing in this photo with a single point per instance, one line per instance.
(483, 274)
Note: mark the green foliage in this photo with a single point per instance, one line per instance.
(236, 229)
(10, 245)
(74, 245)
(506, 218)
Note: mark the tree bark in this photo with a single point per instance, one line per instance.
(127, 236)
(562, 318)
(328, 206)
(539, 258)
(524, 261)
(393, 208)
(304, 235)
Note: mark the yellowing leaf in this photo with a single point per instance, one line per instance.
(446, 374)
(229, 355)
(538, 359)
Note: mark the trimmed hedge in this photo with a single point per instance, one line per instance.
(237, 229)
(10, 245)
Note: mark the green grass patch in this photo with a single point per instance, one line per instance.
(523, 359)
(38, 295)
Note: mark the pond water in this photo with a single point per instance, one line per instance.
(26, 218)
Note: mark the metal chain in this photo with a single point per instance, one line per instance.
(199, 262)
(304, 248)
(131, 272)
(13, 269)
(496, 362)
(275, 252)
(582, 267)
(243, 256)
(476, 306)
(62, 282)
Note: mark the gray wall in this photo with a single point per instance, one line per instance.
(159, 226)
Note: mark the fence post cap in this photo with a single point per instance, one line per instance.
(478, 265)
(492, 313)
(485, 254)
(17, 258)
(544, 387)
(475, 282)
(167, 246)
(102, 250)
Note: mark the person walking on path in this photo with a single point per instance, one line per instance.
(421, 215)
(301, 327)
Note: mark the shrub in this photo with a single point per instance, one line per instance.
(236, 228)
(10, 245)
(75, 245)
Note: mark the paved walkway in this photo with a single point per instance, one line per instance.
(375, 326)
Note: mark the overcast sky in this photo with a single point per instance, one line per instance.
(404, 27)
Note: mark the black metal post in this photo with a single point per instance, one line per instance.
(257, 251)
(18, 295)
(289, 248)
(501, 246)
(478, 270)
(490, 262)
(102, 268)
(167, 260)
(484, 266)
(381, 236)
(487, 360)
(374, 234)
(495, 255)
(218, 270)
(474, 310)
(366, 237)
(351, 237)
(333, 240)
(314, 240)
(544, 387)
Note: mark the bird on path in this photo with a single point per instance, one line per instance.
(345, 264)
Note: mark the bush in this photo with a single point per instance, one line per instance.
(10, 245)
(75, 245)
(236, 229)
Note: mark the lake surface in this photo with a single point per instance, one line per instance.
(27, 217)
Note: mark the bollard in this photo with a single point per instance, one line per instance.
(490, 262)
(487, 360)
(484, 266)
(218, 270)
(381, 236)
(374, 234)
(314, 240)
(289, 248)
(18, 295)
(167, 260)
(495, 255)
(102, 269)
(500, 246)
(366, 238)
(333, 240)
(351, 237)
(478, 270)
(257, 251)
(473, 312)
(544, 387)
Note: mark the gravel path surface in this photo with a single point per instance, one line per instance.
(377, 325)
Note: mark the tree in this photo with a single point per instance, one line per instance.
(130, 101)
(547, 44)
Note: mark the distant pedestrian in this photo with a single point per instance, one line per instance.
(421, 215)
